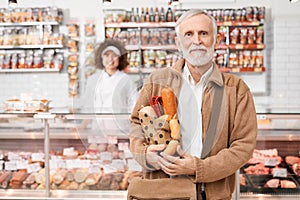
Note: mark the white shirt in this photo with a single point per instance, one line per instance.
(113, 94)
(190, 111)
(110, 94)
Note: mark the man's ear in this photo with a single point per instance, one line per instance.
(218, 39)
(178, 43)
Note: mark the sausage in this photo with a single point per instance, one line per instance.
(171, 148)
(169, 102)
(175, 129)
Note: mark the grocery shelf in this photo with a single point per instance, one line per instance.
(28, 23)
(34, 70)
(239, 23)
(140, 24)
(242, 46)
(54, 46)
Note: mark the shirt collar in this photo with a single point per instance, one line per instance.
(187, 75)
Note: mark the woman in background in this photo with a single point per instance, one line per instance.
(109, 89)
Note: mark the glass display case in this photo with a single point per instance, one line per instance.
(63, 154)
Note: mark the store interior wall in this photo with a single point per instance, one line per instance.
(278, 87)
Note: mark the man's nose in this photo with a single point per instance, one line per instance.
(196, 39)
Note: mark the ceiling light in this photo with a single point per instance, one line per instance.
(12, 3)
(174, 2)
(106, 2)
(293, 1)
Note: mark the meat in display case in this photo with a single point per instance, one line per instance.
(51, 155)
(274, 166)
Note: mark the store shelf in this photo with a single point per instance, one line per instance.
(141, 25)
(8, 47)
(242, 46)
(35, 70)
(244, 69)
(62, 194)
(150, 47)
(222, 69)
(239, 23)
(28, 23)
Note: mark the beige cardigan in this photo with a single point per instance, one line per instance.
(237, 128)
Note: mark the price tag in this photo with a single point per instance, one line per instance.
(105, 155)
(84, 163)
(34, 167)
(271, 162)
(68, 151)
(112, 140)
(13, 156)
(61, 164)
(72, 164)
(258, 69)
(133, 165)
(37, 157)
(94, 169)
(260, 46)
(11, 165)
(122, 146)
(239, 46)
(118, 164)
(53, 164)
(227, 23)
(235, 70)
(22, 164)
(280, 172)
(97, 139)
(1, 164)
(127, 154)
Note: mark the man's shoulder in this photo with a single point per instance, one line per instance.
(232, 80)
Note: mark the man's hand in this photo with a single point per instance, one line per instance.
(153, 157)
(174, 165)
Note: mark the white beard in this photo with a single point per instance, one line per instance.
(198, 58)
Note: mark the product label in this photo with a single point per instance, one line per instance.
(105, 155)
(271, 162)
(22, 164)
(11, 165)
(34, 167)
(280, 172)
(37, 157)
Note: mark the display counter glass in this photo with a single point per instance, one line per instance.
(81, 154)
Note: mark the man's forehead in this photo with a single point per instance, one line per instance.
(195, 22)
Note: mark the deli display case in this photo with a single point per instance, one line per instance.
(68, 154)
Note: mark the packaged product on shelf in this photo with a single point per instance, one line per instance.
(160, 60)
(21, 60)
(37, 59)
(223, 33)
(90, 45)
(171, 36)
(243, 35)
(260, 35)
(73, 30)
(234, 36)
(57, 61)
(28, 59)
(14, 61)
(1, 61)
(89, 30)
(47, 58)
(154, 37)
(259, 59)
(145, 35)
(73, 45)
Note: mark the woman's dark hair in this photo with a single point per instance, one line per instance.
(123, 62)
